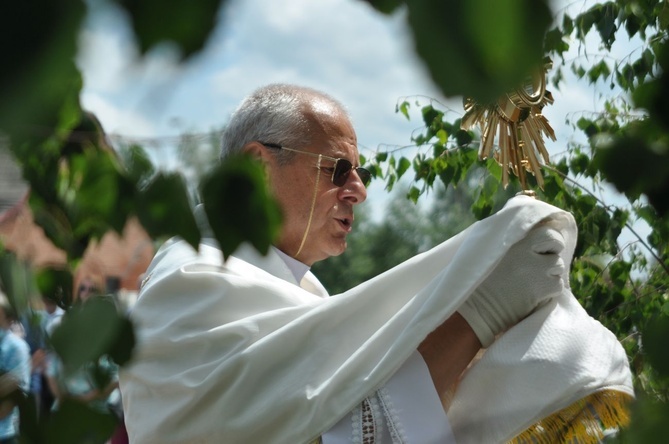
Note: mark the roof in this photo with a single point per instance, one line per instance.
(125, 255)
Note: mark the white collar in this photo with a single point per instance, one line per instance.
(296, 267)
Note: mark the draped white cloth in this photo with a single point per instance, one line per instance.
(234, 352)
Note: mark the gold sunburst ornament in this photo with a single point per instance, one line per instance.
(517, 124)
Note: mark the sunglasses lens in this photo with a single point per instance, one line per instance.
(341, 172)
(365, 176)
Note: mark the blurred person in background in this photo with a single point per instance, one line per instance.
(15, 363)
(96, 383)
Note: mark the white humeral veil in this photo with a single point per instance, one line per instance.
(234, 352)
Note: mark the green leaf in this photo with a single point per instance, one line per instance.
(391, 178)
(40, 39)
(447, 173)
(463, 138)
(164, 210)
(403, 166)
(92, 191)
(654, 340)
(554, 42)
(663, 17)
(431, 115)
(606, 25)
(585, 204)
(16, 280)
(55, 284)
(404, 109)
(186, 24)
(121, 350)
(632, 25)
(76, 422)
(585, 21)
(375, 170)
(619, 272)
(442, 136)
(239, 206)
(567, 24)
(137, 162)
(588, 126)
(648, 420)
(438, 149)
(490, 186)
(579, 163)
(414, 194)
(600, 70)
(70, 339)
(385, 6)
(483, 206)
(637, 152)
(491, 46)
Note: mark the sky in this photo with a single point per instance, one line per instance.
(342, 47)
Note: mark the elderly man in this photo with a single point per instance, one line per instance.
(252, 349)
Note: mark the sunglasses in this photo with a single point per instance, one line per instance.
(342, 168)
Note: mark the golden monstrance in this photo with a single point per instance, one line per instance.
(517, 124)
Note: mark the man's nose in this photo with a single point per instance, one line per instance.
(354, 190)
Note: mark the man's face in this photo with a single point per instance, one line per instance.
(86, 289)
(294, 186)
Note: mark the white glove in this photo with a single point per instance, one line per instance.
(530, 274)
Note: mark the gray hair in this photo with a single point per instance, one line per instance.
(273, 114)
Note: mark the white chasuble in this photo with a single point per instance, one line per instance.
(236, 352)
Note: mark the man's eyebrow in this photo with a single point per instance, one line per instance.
(342, 155)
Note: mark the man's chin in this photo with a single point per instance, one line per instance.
(335, 251)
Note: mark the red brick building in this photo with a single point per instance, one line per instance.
(124, 257)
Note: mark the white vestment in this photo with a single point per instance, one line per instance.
(234, 353)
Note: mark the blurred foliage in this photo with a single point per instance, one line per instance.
(171, 21)
(476, 48)
(80, 188)
(16, 280)
(239, 206)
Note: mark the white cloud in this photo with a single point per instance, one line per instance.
(115, 120)
(361, 57)
(343, 47)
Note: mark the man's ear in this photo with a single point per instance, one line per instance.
(257, 150)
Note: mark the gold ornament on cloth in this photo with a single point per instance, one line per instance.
(515, 120)
(583, 422)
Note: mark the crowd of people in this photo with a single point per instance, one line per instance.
(29, 364)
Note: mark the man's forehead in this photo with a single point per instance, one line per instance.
(330, 126)
(320, 105)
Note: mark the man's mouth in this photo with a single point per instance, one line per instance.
(346, 223)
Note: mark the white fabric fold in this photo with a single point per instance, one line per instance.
(233, 353)
(547, 362)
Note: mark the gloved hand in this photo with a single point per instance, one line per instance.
(530, 274)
